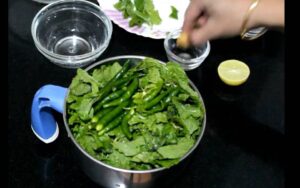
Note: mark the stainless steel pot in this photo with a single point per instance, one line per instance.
(45, 128)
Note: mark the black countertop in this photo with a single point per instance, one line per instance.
(243, 143)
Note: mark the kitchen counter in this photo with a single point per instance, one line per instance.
(242, 146)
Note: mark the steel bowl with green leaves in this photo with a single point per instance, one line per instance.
(135, 115)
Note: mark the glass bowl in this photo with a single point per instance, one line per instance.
(45, 1)
(71, 33)
(189, 58)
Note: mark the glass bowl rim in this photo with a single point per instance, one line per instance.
(100, 49)
(182, 60)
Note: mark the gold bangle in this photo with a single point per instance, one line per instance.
(246, 18)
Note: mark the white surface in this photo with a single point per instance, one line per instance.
(157, 31)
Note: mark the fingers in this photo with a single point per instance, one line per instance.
(203, 34)
(201, 21)
(192, 14)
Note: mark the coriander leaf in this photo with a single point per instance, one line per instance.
(148, 63)
(177, 150)
(85, 77)
(81, 89)
(153, 142)
(191, 124)
(190, 115)
(160, 117)
(71, 98)
(153, 76)
(187, 110)
(146, 157)
(117, 132)
(89, 142)
(106, 73)
(130, 148)
(151, 122)
(137, 118)
(73, 119)
(168, 162)
(169, 133)
(118, 159)
(183, 97)
(75, 105)
(85, 110)
(140, 166)
(174, 73)
(149, 84)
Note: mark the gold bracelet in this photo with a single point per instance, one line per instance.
(246, 18)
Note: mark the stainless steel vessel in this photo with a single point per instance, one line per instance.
(107, 175)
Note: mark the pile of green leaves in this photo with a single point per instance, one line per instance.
(153, 123)
(139, 12)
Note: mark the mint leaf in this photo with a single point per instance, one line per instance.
(139, 12)
(152, 13)
(174, 13)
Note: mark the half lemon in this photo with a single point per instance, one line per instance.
(233, 72)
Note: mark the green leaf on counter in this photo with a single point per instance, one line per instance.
(174, 13)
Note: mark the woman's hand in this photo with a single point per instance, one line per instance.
(211, 19)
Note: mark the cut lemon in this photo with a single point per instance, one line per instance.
(233, 72)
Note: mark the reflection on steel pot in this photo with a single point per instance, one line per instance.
(45, 128)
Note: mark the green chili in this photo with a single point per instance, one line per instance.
(112, 96)
(154, 93)
(173, 93)
(100, 114)
(112, 125)
(130, 91)
(156, 100)
(124, 125)
(124, 80)
(109, 85)
(164, 103)
(111, 115)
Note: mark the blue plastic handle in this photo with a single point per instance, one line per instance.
(43, 123)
